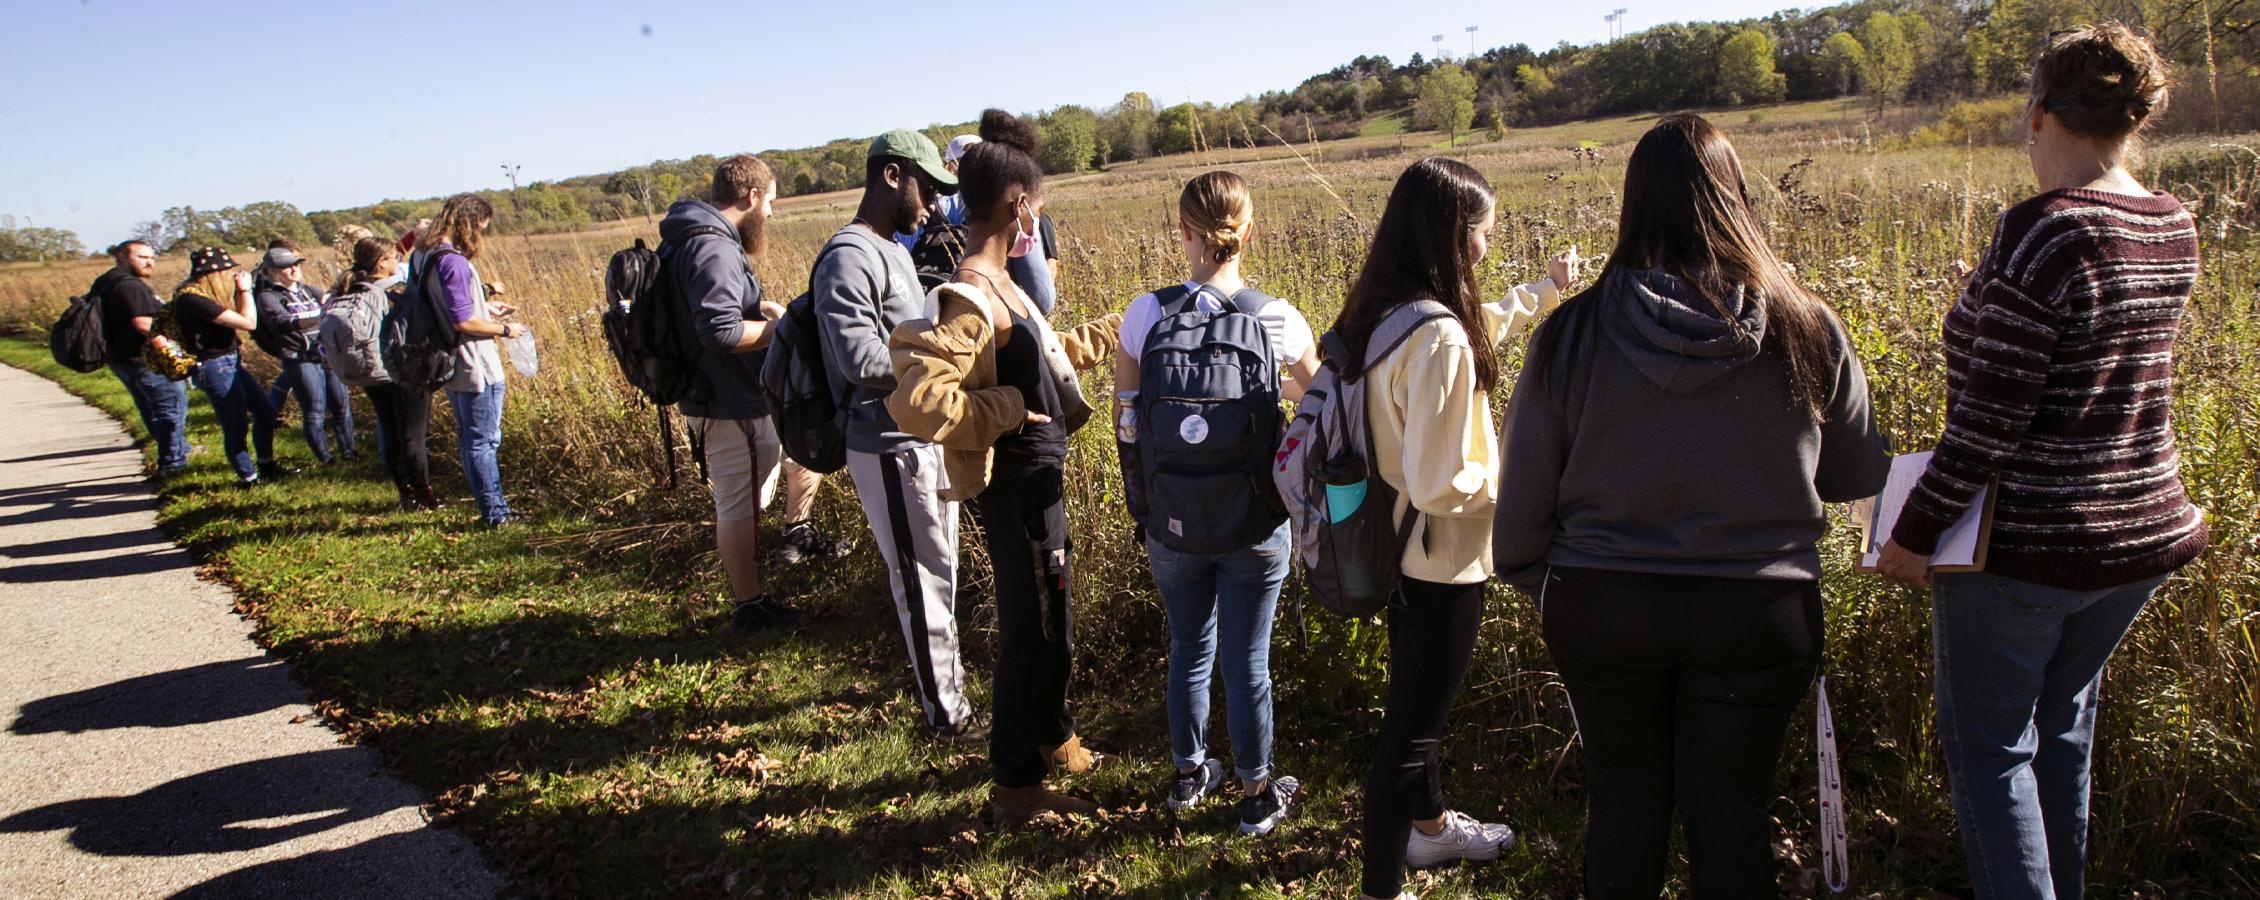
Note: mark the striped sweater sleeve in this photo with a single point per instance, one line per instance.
(2011, 323)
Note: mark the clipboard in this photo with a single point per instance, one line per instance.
(1961, 547)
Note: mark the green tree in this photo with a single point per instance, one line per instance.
(254, 224)
(1130, 126)
(1890, 59)
(1447, 99)
(1173, 129)
(1068, 139)
(1842, 60)
(30, 244)
(1746, 69)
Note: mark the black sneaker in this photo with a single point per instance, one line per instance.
(762, 613)
(275, 471)
(502, 521)
(802, 542)
(972, 730)
(1263, 812)
(1189, 788)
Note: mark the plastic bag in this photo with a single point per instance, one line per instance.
(522, 354)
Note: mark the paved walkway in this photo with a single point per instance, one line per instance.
(150, 748)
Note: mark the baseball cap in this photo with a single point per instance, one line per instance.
(903, 143)
(282, 258)
(958, 145)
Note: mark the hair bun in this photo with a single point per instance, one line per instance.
(2101, 80)
(1000, 127)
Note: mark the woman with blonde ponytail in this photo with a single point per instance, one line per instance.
(1220, 588)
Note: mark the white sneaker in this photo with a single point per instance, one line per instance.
(1462, 838)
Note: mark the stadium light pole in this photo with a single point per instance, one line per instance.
(1471, 42)
(1620, 11)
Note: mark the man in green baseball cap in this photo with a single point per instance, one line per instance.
(907, 146)
(865, 285)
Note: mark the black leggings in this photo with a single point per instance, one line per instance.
(1024, 515)
(1683, 689)
(1431, 638)
(404, 416)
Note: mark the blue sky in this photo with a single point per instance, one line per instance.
(117, 109)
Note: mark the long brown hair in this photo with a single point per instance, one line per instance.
(1687, 212)
(367, 253)
(1425, 248)
(458, 223)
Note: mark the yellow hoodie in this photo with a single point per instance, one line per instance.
(1434, 439)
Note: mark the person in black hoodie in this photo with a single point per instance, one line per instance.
(1671, 442)
(290, 312)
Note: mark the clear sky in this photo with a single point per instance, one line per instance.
(114, 110)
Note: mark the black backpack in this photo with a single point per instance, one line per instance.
(418, 338)
(648, 325)
(1209, 422)
(804, 405)
(937, 253)
(77, 340)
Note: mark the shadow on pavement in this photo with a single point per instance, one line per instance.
(229, 809)
(192, 696)
(386, 868)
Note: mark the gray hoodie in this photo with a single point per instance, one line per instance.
(1647, 435)
(710, 273)
(865, 285)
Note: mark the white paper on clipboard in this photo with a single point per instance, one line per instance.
(1961, 545)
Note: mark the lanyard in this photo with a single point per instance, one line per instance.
(1836, 863)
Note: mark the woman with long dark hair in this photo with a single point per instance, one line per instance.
(2060, 388)
(476, 393)
(986, 377)
(1713, 407)
(1428, 403)
(403, 414)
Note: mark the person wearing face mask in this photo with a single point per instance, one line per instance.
(862, 287)
(290, 313)
(983, 374)
(1033, 263)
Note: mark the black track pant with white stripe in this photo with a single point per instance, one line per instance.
(916, 531)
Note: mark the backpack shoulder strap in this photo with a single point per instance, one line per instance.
(1249, 301)
(852, 240)
(1172, 300)
(1398, 325)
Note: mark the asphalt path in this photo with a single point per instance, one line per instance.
(151, 749)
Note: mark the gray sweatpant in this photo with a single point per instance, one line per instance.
(917, 535)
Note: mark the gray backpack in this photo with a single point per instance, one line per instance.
(347, 338)
(1209, 421)
(1348, 550)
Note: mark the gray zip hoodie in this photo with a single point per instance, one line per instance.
(865, 285)
(1646, 434)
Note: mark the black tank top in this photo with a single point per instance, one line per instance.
(1021, 365)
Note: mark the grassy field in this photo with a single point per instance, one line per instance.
(562, 692)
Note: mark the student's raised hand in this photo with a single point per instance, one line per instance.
(1904, 566)
(242, 281)
(1564, 268)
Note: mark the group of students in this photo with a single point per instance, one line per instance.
(219, 301)
(1659, 489)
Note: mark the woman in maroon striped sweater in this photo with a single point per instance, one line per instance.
(2059, 379)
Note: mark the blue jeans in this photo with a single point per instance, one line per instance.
(163, 404)
(241, 406)
(1230, 596)
(321, 401)
(478, 441)
(2020, 669)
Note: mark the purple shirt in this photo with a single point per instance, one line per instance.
(459, 285)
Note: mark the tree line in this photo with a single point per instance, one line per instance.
(1881, 51)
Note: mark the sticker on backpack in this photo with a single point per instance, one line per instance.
(1193, 430)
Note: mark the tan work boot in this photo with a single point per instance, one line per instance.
(1070, 758)
(1015, 806)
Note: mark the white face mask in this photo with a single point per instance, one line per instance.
(1025, 237)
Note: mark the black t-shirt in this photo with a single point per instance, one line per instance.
(200, 328)
(1050, 236)
(122, 298)
(1021, 365)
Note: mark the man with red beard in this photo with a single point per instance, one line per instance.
(708, 247)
